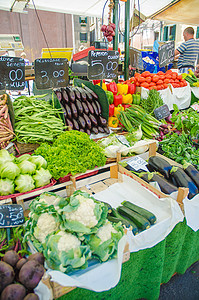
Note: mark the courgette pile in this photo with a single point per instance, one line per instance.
(133, 217)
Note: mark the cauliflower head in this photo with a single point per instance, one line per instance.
(67, 241)
(84, 213)
(104, 232)
(46, 224)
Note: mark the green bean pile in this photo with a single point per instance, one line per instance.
(36, 120)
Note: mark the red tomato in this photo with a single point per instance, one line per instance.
(162, 77)
(166, 80)
(179, 77)
(168, 76)
(145, 85)
(165, 86)
(159, 82)
(146, 74)
(148, 79)
(159, 87)
(141, 79)
(152, 84)
(155, 78)
(160, 73)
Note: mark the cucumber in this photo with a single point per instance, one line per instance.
(141, 222)
(142, 211)
(125, 221)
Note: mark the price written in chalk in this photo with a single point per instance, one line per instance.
(103, 64)
(137, 163)
(11, 215)
(12, 73)
(162, 112)
(166, 54)
(51, 73)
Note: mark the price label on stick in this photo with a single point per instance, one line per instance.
(11, 215)
(12, 73)
(166, 54)
(102, 64)
(122, 140)
(162, 112)
(137, 163)
(135, 56)
(51, 73)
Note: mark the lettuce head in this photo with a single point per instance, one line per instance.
(26, 167)
(24, 183)
(39, 161)
(9, 170)
(6, 187)
(5, 156)
(42, 177)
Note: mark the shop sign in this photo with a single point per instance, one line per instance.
(103, 64)
(51, 73)
(12, 73)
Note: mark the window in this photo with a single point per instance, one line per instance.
(83, 37)
(169, 33)
(197, 33)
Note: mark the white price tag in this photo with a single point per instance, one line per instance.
(138, 163)
(122, 140)
(195, 106)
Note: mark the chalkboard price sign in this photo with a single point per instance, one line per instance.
(51, 73)
(12, 73)
(11, 215)
(162, 112)
(136, 58)
(166, 54)
(102, 64)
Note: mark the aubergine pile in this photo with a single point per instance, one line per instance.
(82, 110)
(170, 177)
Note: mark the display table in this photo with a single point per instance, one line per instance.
(143, 274)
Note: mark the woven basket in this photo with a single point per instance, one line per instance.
(25, 148)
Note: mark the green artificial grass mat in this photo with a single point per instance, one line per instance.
(143, 274)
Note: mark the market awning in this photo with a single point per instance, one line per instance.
(182, 11)
(83, 7)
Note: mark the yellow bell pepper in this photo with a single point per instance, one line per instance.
(104, 87)
(196, 84)
(113, 122)
(184, 75)
(127, 99)
(117, 110)
(122, 88)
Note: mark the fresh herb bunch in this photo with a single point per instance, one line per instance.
(152, 102)
(180, 149)
(72, 152)
(186, 120)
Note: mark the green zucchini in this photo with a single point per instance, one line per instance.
(125, 221)
(141, 222)
(142, 211)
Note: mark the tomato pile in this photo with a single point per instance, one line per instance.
(159, 81)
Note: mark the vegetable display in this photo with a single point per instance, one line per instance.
(36, 120)
(82, 110)
(19, 276)
(22, 174)
(134, 116)
(152, 102)
(79, 230)
(6, 130)
(72, 152)
(191, 78)
(158, 81)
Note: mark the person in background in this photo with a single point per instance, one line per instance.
(23, 55)
(6, 53)
(196, 73)
(187, 52)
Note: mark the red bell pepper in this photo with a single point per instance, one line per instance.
(126, 106)
(112, 87)
(131, 88)
(96, 81)
(111, 110)
(117, 100)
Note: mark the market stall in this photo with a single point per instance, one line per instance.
(110, 214)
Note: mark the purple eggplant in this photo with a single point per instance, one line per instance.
(75, 125)
(65, 96)
(93, 120)
(59, 95)
(85, 108)
(79, 106)
(88, 131)
(90, 107)
(98, 106)
(101, 129)
(77, 93)
(95, 130)
(88, 121)
(82, 122)
(94, 95)
(82, 93)
(96, 112)
(107, 130)
(68, 111)
(71, 94)
(88, 95)
(102, 121)
(69, 123)
(74, 110)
